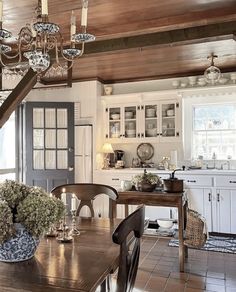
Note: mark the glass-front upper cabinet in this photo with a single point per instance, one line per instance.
(169, 123)
(122, 122)
(151, 120)
(130, 122)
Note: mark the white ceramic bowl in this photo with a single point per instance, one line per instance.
(150, 112)
(165, 222)
(129, 115)
(170, 112)
(115, 116)
(130, 132)
(152, 132)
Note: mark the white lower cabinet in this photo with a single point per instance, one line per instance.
(217, 206)
(224, 211)
(200, 200)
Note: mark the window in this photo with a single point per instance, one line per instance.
(214, 131)
(7, 150)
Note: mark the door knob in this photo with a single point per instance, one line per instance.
(71, 149)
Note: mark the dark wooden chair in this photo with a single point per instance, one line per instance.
(86, 193)
(129, 254)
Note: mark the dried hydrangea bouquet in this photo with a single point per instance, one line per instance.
(25, 214)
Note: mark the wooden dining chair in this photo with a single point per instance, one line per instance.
(86, 193)
(131, 226)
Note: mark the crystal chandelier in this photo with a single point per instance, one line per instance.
(35, 41)
(212, 74)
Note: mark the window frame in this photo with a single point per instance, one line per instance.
(189, 102)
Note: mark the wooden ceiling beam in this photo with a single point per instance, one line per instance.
(17, 95)
(206, 33)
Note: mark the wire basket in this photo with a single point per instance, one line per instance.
(195, 233)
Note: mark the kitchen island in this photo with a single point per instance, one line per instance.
(210, 192)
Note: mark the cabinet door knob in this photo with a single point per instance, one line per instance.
(138, 135)
(142, 135)
(218, 197)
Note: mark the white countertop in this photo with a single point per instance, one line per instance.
(179, 172)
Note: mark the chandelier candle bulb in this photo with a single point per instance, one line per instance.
(73, 203)
(63, 197)
(73, 24)
(84, 14)
(44, 4)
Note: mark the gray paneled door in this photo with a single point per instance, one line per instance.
(49, 137)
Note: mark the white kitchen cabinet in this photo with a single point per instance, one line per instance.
(223, 211)
(155, 121)
(215, 198)
(200, 200)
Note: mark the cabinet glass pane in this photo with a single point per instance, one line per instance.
(130, 121)
(62, 139)
(38, 118)
(151, 118)
(38, 159)
(38, 139)
(168, 120)
(50, 138)
(50, 160)
(50, 118)
(62, 161)
(114, 129)
(114, 114)
(62, 118)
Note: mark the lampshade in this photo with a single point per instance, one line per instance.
(107, 148)
(212, 74)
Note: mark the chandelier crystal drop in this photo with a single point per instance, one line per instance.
(35, 41)
(212, 74)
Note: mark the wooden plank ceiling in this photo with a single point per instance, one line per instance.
(140, 40)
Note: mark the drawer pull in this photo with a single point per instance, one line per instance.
(115, 179)
(232, 181)
(209, 197)
(218, 197)
(191, 181)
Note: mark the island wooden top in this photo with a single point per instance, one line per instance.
(151, 198)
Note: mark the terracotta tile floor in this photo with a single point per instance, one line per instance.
(205, 271)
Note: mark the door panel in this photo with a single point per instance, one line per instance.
(49, 134)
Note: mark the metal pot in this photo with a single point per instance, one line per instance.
(173, 185)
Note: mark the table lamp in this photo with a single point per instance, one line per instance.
(107, 150)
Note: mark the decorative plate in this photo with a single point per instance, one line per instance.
(145, 151)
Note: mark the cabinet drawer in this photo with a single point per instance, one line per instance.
(225, 181)
(192, 180)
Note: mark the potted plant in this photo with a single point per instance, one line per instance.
(25, 214)
(146, 182)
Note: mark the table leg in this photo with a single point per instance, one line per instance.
(185, 223)
(112, 209)
(126, 210)
(181, 237)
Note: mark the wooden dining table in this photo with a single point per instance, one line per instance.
(81, 265)
(160, 198)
